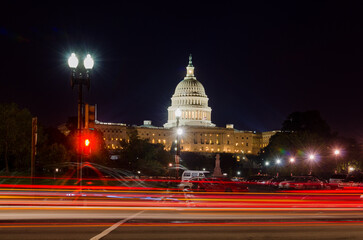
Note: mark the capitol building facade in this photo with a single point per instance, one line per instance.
(199, 133)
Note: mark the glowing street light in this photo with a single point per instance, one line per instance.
(178, 113)
(88, 62)
(336, 154)
(278, 161)
(73, 61)
(311, 158)
(179, 131)
(267, 163)
(238, 173)
(292, 160)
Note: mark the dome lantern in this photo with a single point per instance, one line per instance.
(190, 68)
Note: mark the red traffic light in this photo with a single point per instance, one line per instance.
(87, 142)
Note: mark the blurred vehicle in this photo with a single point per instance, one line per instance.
(302, 182)
(275, 181)
(188, 178)
(219, 185)
(258, 179)
(354, 179)
(337, 178)
(189, 174)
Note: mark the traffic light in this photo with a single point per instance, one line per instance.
(87, 146)
(90, 116)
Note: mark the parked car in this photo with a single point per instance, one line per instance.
(302, 182)
(354, 179)
(219, 185)
(275, 181)
(337, 178)
(258, 179)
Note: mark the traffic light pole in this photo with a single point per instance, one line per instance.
(80, 79)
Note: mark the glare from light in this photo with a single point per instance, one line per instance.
(88, 62)
(351, 169)
(87, 142)
(311, 156)
(170, 164)
(224, 174)
(178, 113)
(138, 172)
(179, 131)
(336, 152)
(267, 163)
(203, 169)
(238, 173)
(73, 61)
(292, 160)
(278, 161)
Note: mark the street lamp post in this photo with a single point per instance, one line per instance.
(311, 159)
(80, 76)
(292, 160)
(278, 161)
(179, 132)
(336, 153)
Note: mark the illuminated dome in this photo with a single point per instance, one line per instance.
(189, 87)
(190, 98)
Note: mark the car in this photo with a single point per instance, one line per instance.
(275, 181)
(218, 185)
(189, 177)
(302, 182)
(354, 179)
(337, 178)
(258, 179)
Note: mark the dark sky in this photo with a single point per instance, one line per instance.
(258, 61)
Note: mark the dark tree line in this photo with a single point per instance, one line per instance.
(304, 134)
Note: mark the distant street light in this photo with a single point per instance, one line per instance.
(278, 161)
(238, 173)
(292, 160)
(311, 160)
(267, 163)
(336, 154)
(179, 132)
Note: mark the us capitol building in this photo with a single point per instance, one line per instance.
(199, 133)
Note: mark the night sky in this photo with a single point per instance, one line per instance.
(258, 61)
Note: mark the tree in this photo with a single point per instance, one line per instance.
(139, 155)
(15, 136)
(304, 134)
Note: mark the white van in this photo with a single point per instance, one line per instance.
(191, 175)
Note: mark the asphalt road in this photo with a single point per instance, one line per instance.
(117, 214)
(26, 222)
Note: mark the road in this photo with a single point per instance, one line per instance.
(99, 214)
